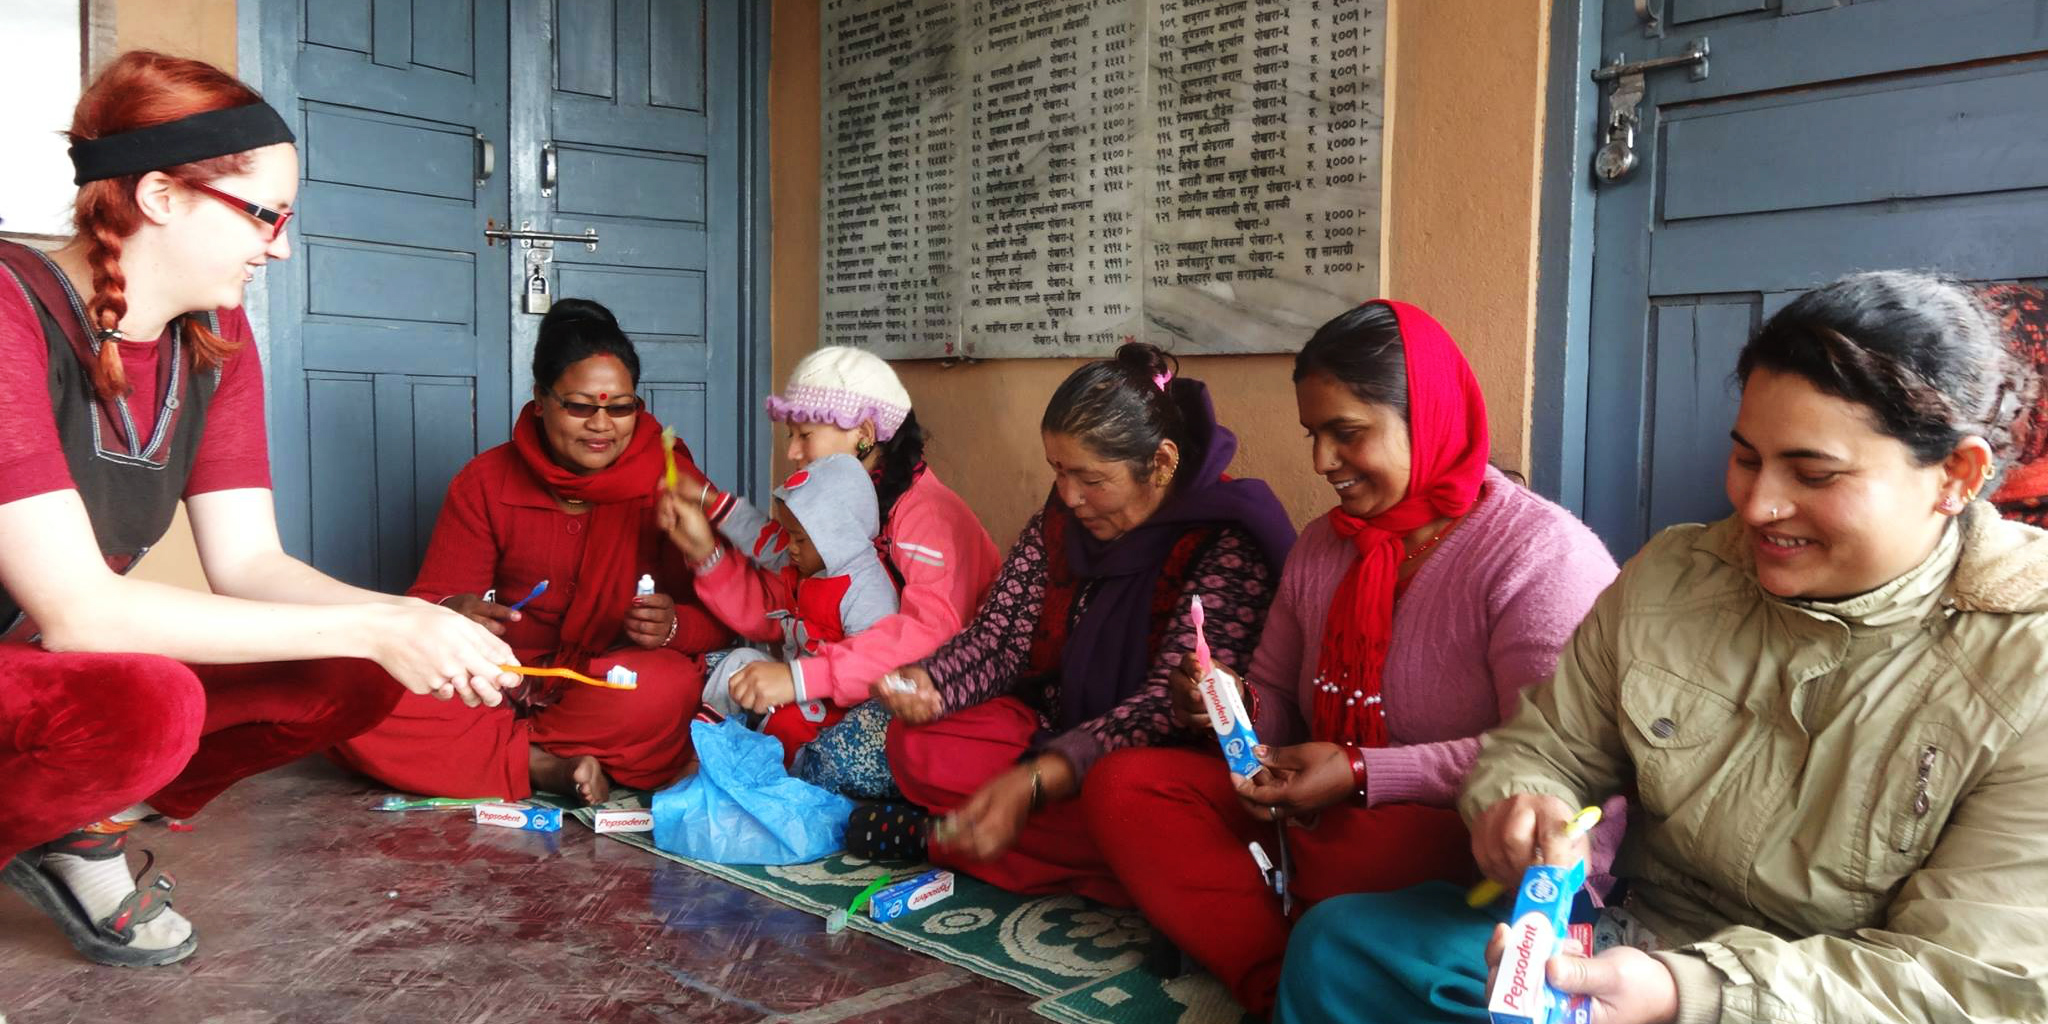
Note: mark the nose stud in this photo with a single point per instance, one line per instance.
(1774, 512)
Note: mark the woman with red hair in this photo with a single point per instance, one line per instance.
(130, 383)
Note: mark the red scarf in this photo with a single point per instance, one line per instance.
(617, 495)
(1447, 464)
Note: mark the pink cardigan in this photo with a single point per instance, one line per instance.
(947, 562)
(1485, 616)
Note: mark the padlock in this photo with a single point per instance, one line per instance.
(537, 298)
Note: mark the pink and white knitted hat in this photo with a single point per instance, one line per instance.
(843, 386)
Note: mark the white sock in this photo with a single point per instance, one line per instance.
(134, 813)
(101, 885)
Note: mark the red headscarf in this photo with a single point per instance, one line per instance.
(1447, 463)
(617, 494)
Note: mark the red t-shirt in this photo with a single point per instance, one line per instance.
(233, 452)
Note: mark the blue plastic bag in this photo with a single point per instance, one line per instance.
(741, 807)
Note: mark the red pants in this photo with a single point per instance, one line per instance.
(446, 748)
(1175, 832)
(940, 765)
(85, 735)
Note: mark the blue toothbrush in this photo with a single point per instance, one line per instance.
(539, 589)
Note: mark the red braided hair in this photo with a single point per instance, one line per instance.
(139, 89)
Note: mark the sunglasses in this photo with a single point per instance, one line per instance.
(619, 410)
(275, 220)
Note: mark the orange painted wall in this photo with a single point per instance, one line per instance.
(204, 29)
(1465, 94)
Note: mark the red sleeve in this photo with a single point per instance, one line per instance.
(742, 594)
(697, 630)
(31, 459)
(235, 450)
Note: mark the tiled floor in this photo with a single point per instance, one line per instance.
(312, 908)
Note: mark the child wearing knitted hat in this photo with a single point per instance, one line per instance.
(832, 586)
(847, 400)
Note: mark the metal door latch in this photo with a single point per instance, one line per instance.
(529, 238)
(1617, 157)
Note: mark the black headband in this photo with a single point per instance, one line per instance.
(199, 137)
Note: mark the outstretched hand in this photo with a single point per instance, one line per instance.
(685, 524)
(762, 685)
(918, 704)
(489, 614)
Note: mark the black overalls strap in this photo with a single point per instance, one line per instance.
(129, 475)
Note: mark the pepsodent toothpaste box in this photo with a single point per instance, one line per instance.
(622, 819)
(532, 819)
(914, 894)
(1233, 727)
(1521, 988)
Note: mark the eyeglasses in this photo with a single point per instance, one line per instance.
(619, 410)
(273, 219)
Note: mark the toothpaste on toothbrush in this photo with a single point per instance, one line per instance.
(1226, 705)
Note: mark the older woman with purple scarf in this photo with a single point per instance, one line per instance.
(1068, 657)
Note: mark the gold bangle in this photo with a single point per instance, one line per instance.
(1037, 789)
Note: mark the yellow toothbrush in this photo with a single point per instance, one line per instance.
(668, 457)
(1489, 890)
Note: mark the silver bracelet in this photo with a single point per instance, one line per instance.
(675, 622)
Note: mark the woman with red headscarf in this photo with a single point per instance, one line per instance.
(129, 383)
(1407, 622)
(570, 501)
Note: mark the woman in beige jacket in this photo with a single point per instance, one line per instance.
(1829, 707)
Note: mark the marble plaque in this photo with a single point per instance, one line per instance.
(1009, 178)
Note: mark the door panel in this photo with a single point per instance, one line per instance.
(400, 344)
(1692, 356)
(625, 113)
(1825, 140)
(392, 316)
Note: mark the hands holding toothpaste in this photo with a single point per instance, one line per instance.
(1298, 780)
(909, 694)
(1627, 985)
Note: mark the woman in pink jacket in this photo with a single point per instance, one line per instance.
(1407, 622)
(843, 400)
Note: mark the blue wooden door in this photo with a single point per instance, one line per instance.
(399, 342)
(1828, 137)
(390, 322)
(617, 131)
